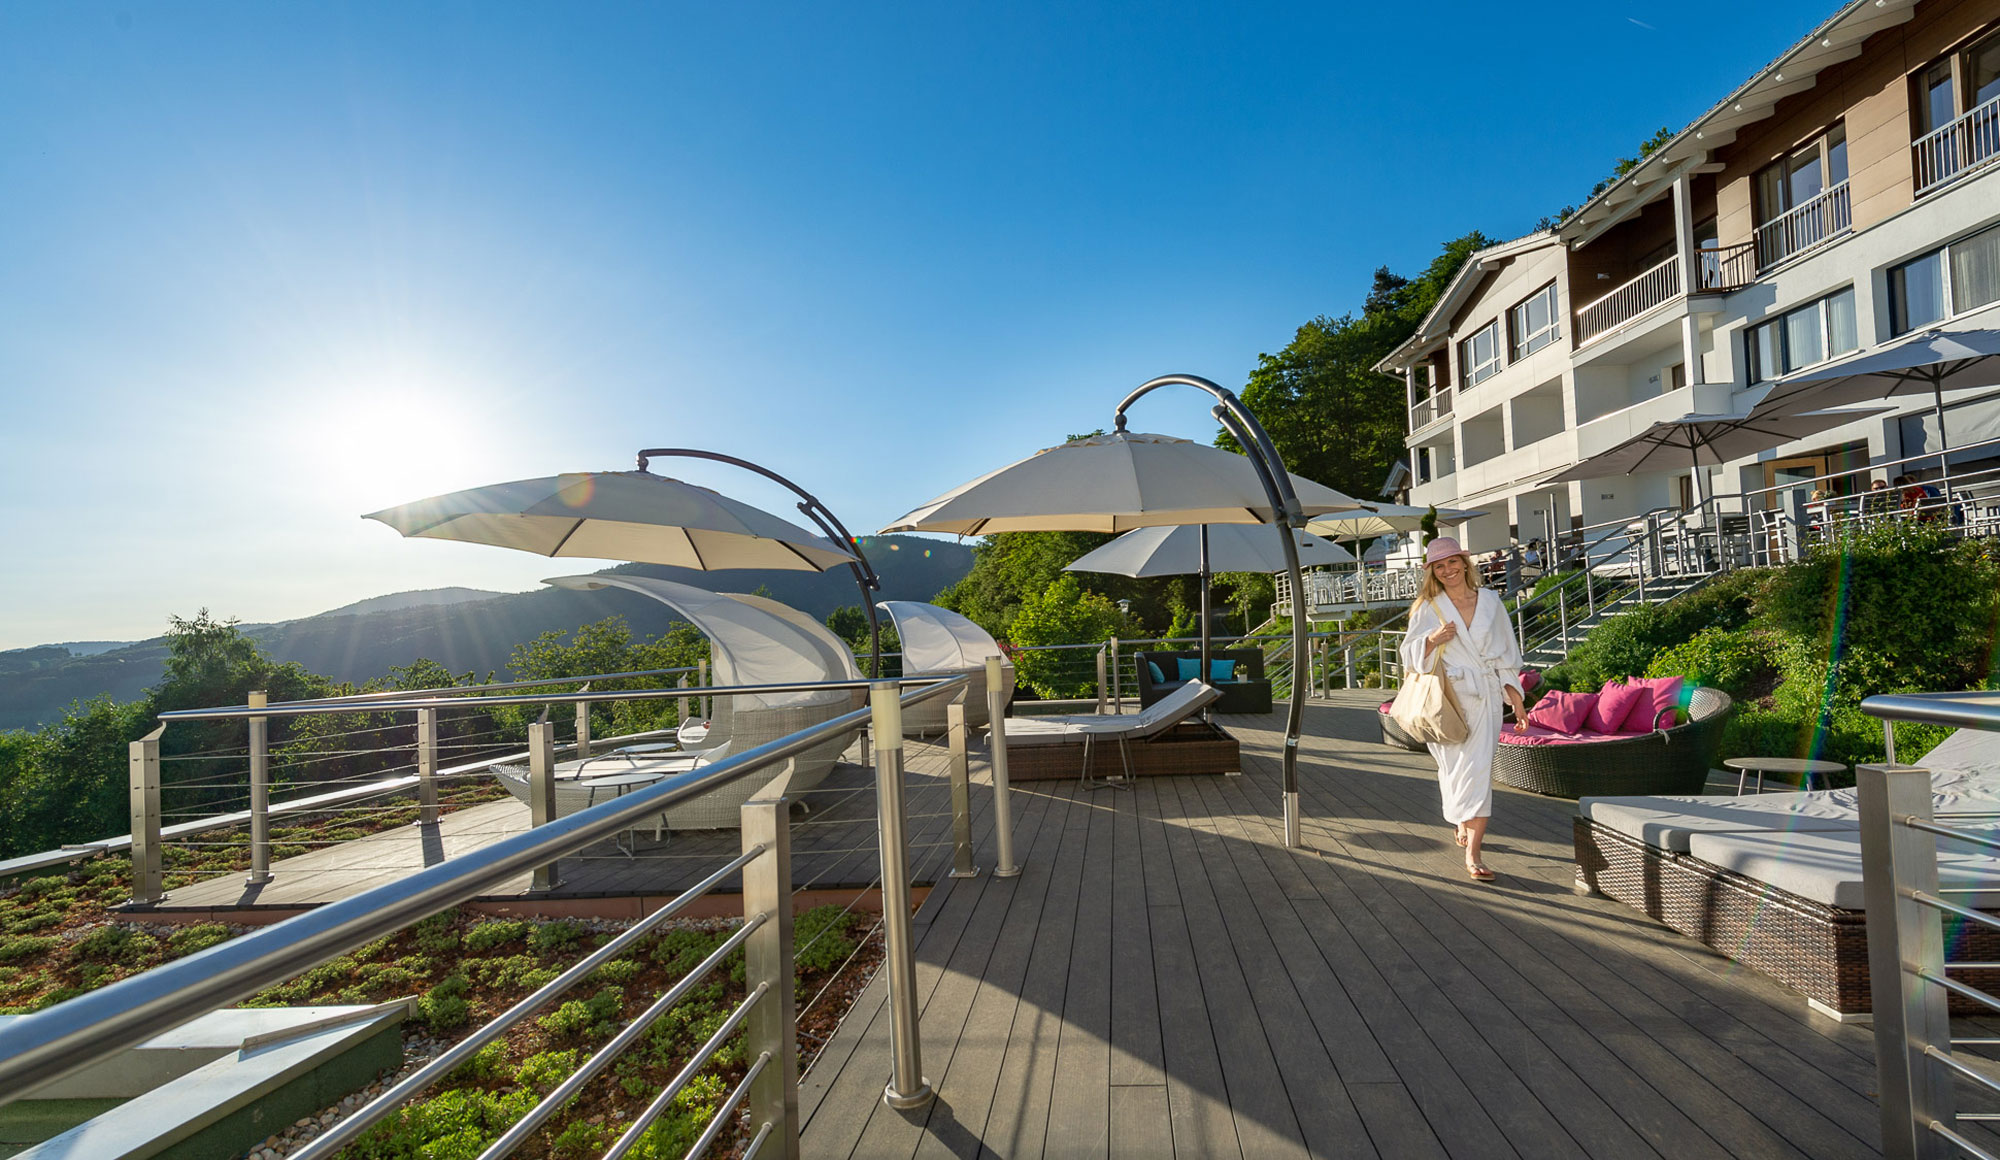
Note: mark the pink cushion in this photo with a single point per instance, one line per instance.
(1530, 680)
(1537, 735)
(1646, 714)
(1562, 712)
(1614, 704)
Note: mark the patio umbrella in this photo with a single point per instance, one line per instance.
(1381, 520)
(1935, 362)
(618, 515)
(1176, 551)
(1706, 441)
(1125, 480)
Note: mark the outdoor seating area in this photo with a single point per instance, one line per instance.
(1237, 675)
(1667, 759)
(1774, 881)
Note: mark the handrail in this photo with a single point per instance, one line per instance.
(71, 1035)
(308, 708)
(368, 699)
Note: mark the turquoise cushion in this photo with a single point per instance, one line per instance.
(1222, 670)
(1153, 667)
(1188, 667)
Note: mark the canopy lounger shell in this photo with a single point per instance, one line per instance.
(754, 644)
(939, 642)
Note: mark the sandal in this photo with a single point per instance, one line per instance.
(1460, 839)
(1479, 872)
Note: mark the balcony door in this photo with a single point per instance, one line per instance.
(1794, 208)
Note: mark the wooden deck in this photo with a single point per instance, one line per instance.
(1166, 979)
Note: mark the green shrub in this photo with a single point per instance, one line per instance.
(1625, 645)
(689, 1113)
(32, 921)
(554, 937)
(617, 971)
(189, 939)
(487, 935)
(1730, 659)
(820, 938)
(444, 1006)
(486, 1065)
(680, 951)
(457, 1125)
(588, 1017)
(42, 887)
(438, 934)
(115, 944)
(580, 1139)
(544, 1071)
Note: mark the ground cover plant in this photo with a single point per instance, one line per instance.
(62, 938)
(1899, 607)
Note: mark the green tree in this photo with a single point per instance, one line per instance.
(1063, 614)
(1331, 415)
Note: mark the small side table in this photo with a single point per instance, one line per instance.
(1805, 768)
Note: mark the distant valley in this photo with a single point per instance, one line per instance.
(464, 629)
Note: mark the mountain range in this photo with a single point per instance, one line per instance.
(464, 629)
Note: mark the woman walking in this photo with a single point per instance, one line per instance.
(1482, 660)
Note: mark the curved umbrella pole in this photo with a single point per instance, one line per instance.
(1263, 455)
(825, 520)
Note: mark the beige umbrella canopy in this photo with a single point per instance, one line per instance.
(1176, 551)
(618, 515)
(1114, 483)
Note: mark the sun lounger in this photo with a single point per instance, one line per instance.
(1144, 735)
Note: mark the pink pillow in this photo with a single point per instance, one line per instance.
(1562, 712)
(1614, 704)
(1666, 696)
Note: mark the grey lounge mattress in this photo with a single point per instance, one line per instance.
(1810, 843)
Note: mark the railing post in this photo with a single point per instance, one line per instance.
(542, 793)
(1101, 686)
(961, 791)
(583, 725)
(1003, 802)
(907, 1087)
(681, 703)
(773, 1026)
(1904, 937)
(427, 767)
(1347, 659)
(1562, 617)
(1117, 693)
(143, 766)
(260, 793)
(706, 704)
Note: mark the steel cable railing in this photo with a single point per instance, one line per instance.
(43, 1046)
(1910, 975)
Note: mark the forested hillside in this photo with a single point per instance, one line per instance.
(363, 641)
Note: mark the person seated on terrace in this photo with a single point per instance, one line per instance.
(1878, 501)
(1919, 499)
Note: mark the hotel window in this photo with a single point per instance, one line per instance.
(1813, 333)
(1962, 276)
(1787, 185)
(1950, 140)
(1534, 323)
(1479, 356)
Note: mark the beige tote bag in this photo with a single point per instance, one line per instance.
(1425, 706)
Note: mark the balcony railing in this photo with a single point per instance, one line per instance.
(1952, 151)
(1431, 409)
(1804, 226)
(1655, 287)
(1725, 268)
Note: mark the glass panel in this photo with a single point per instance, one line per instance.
(1975, 271)
(1841, 333)
(1983, 66)
(1836, 155)
(1771, 193)
(1803, 180)
(1804, 344)
(1763, 348)
(1936, 108)
(1916, 293)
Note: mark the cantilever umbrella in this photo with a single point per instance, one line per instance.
(1933, 362)
(1176, 551)
(1697, 441)
(618, 515)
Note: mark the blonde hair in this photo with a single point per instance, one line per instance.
(1432, 587)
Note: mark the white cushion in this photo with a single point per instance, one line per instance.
(1826, 866)
(1667, 822)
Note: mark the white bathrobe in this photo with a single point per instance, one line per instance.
(1481, 660)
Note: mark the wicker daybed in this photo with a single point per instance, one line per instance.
(1774, 882)
(1666, 761)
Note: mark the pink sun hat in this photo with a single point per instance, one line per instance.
(1443, 548)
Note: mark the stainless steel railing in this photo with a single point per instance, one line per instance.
(1918, 1059)
(47, 1045)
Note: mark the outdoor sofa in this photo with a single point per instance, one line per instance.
(1245, 690)
(1774, 881)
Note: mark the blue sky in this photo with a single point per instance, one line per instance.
(266, 267)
